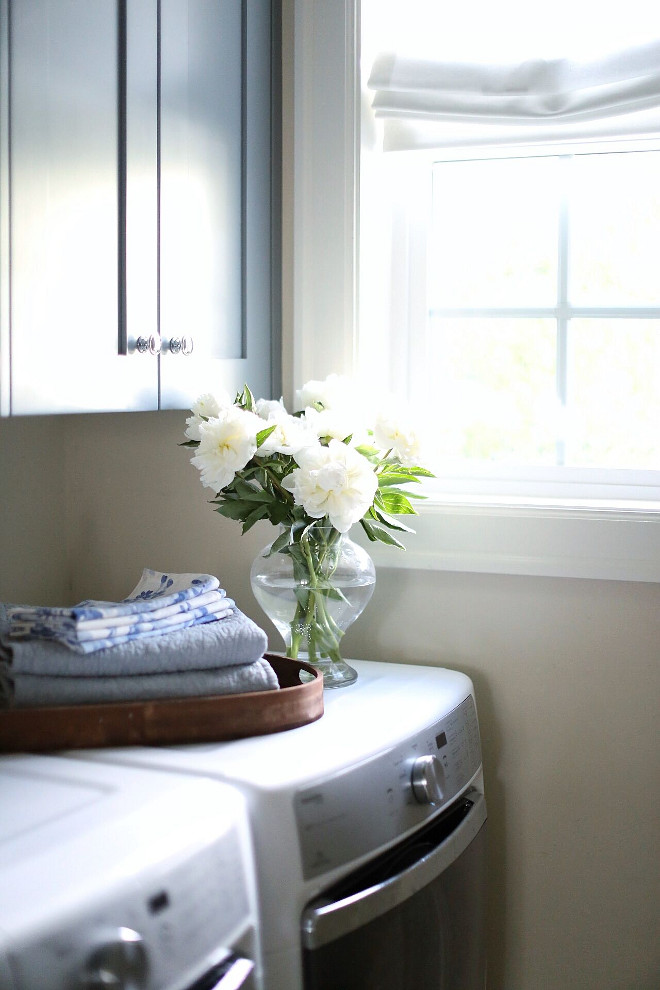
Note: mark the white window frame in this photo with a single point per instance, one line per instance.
(530, 534)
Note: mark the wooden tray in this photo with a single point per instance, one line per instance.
(168, 721)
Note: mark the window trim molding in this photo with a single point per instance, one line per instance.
(321, 149)
(527, 536)
(542, 539)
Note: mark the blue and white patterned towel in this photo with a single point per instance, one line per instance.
(159, 603)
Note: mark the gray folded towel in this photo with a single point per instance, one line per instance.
(235, 639)
(35, 690)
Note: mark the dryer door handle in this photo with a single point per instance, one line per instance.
(231, 974)
(326, 920)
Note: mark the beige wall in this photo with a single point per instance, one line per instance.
(566, 675)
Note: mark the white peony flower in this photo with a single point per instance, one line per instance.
(271, 408)
(207, 406)
(336, 425)
(333, 481)
(332, 393)
(226, 445)
(328, 423)
(291, 434)
(398, 435)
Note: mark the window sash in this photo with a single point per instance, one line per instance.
(412, 224)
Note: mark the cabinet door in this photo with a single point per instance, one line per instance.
(66, 193)
(215, 197)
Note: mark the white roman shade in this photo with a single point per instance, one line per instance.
(442, 104)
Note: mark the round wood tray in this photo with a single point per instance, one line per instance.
(170, 720)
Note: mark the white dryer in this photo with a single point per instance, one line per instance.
(117, 877)
(369, 832)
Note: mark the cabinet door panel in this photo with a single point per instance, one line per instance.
(215, 234)
(64, 189)
(138, 214)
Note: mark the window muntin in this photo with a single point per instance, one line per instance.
(528, 249)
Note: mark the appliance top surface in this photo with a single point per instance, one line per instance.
(72, 829)
(44, 797)
(388, 704)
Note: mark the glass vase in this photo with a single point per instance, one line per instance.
(313, 590)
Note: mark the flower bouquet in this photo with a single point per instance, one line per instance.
(313, 473)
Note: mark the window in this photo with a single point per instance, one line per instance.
(509, 225)
(534, 340)
(544, 529)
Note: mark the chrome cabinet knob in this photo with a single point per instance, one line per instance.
(151, 344)
(428, 780)
(118, 962)
(181, 345)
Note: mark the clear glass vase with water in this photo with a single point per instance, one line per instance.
(313, 589)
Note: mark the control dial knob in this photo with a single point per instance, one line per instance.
(428, 780)
(118, 962)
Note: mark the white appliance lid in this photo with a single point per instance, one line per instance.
(31, 799)
(72, 830)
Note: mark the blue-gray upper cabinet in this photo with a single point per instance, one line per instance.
(138, 202)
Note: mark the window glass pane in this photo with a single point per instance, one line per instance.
(614, 393)
(494, 233)
(490, 389)
(615, 229)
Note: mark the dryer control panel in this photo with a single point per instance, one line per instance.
(380, 799)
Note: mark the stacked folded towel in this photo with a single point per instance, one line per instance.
(159, 603)
(205, 656)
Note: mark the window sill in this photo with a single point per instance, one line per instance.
(614, 541)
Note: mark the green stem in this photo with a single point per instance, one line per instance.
(317, 613)
(274, 480)
(313, 617)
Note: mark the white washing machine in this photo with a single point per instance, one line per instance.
(116, 877)
(369, 831)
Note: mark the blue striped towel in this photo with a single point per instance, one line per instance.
(158, 604)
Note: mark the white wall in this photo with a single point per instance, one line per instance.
(566, 675)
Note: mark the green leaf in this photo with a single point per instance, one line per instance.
(388, 478)
(234, 508)
(278, 545)
(189, 443)
(336, 594)
(302, 596)
(278, 512)
(366, 526)
(249, 493)
(420, 472)
(264, 434)
(400, 491)
(396, 503)
(376, 533)
(247, 399)
(392, 523)
(367, 451)
(254, 517)
(413, 494)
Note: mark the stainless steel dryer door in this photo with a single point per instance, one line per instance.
(411, 919)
